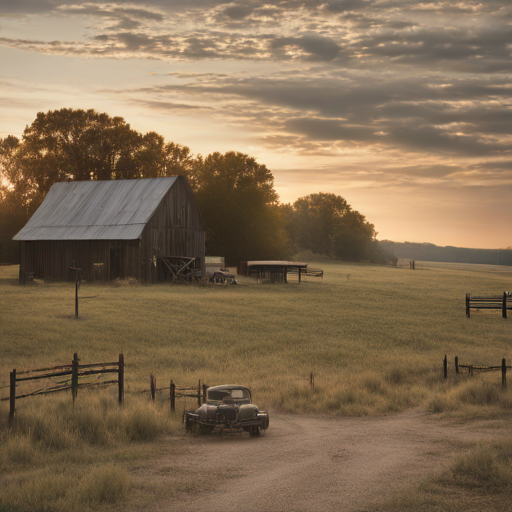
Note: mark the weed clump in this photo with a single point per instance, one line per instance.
(469, 394)
(78, 443)
(486, 465)
(67, 490)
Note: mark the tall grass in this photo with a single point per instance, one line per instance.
(375, 338)
(360, 324)
(479, 478)
(58, 457)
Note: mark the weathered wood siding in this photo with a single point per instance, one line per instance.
(53, 259)
(176, 229)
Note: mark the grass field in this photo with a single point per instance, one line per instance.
(375, 338)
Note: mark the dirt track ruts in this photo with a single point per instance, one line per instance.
(310, 463)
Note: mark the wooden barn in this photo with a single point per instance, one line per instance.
(148, 229)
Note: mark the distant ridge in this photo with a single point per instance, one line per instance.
(448, 254)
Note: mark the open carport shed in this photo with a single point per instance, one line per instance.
(114, 229)
(276, 271)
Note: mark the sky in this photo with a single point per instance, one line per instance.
(402, 107)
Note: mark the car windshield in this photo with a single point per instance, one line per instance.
(220, 395)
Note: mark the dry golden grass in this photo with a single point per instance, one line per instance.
(375, 338)
(56, 457)
(479, 479)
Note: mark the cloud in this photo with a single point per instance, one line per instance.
(237, 12)
(428, 138)
(120, 18)
(10, 7)
(358, 34)
(461, 119)
(309, 47)
(386, 76)
(329, 130)
(167, 105)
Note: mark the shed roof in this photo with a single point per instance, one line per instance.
(96, 210)
(273, 263)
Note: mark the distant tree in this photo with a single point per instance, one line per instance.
(325, 224)
(239, 205)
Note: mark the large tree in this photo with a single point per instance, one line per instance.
(326, 224)
(235, 194)
(81, 145)
(239, 205)
(75, 145)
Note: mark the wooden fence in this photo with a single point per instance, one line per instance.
(498, 302)
(473, 368)
(64, 377)
(179, 392)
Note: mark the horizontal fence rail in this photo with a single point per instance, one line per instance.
(66, 377)
(497, 302)
(476, 368)
(179, 392)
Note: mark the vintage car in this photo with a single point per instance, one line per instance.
(228, 409)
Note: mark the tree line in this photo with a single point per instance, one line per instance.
(449, 254)
(234, 193)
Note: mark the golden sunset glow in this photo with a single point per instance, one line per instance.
(403, 108)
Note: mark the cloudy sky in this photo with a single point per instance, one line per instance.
(403, 107)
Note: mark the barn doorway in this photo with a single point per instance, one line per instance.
(115, 263)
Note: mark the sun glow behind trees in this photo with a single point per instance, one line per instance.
(235, 194)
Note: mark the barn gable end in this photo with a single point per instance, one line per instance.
(112, 229)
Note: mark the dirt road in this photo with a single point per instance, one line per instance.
(306, 463)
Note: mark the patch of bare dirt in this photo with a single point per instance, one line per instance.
(308, 463)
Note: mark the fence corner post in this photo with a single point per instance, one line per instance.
(504, 306)
(504, 373)
(74, 377)
(468, 299)
(457, 365)
(120, 379)
(12, 395)
(445, 367)
(152, 386)
(173, 396)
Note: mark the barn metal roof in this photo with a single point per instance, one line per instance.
(96, 210)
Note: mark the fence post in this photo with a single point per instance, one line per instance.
(468, 311)
(457, 365)
(121, 378)
(205, 393)
(503, 373)
(312, 379)
(199, 394)
(74, 377)
(12, 395)
(445, 367)
(504, 306)
(152, 385)
(173, 396)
